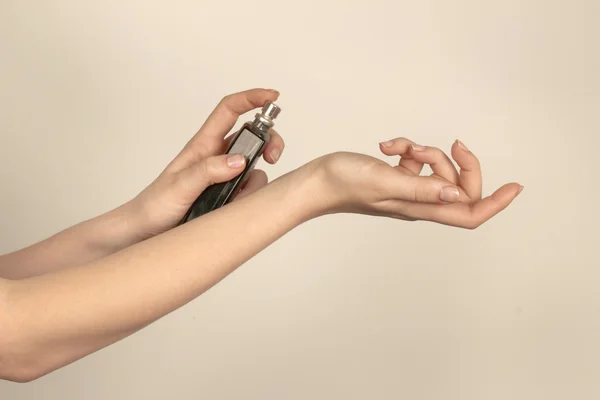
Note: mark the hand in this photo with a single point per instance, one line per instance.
(362, 184)
(200, 164)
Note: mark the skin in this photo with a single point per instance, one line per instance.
(102, 280)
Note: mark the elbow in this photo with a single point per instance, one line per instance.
(14, 370)
(18, 361)
(19, 373)
(17, 364)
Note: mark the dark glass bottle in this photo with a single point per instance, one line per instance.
(250, 141)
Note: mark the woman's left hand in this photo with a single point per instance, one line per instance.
(357, 183)
(201, 163)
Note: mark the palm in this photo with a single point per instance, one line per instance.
(447, 196)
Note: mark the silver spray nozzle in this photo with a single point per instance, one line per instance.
(269, 112)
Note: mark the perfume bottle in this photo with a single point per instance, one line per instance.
(250, 141)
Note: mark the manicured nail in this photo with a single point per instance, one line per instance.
(461, 145)
(520, 190)
(417, 147)
(275, 153)
(449, 194)
(388, 143)
(236, 160)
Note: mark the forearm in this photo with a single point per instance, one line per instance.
(60, 317)
(80, 244)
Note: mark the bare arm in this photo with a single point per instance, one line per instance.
(160, 206)
(80, 244)
(51, 320)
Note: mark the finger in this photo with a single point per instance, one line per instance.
(417, 189)
(469, 216)
(401, 147)
(256, 180)
(192, 181)
(272, 151)
(229, 109)
(470, 170)
(274, 147)
(209, 139)
(440, 163)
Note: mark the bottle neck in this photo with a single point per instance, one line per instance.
(260, 126)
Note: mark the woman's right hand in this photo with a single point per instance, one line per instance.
(357, 183)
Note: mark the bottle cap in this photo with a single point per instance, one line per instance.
(269, 112)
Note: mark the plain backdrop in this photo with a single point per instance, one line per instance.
(96, 97)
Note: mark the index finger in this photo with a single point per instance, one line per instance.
(229, 109)
(209, 138)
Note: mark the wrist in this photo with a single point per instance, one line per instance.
(116, 229)
(310, 194)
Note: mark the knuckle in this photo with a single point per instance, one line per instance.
(226, 103)
(438, 153)
(227, 99)
(402, 144)
(422, 194)
(403, 141)
(470, 161)
(276, 139)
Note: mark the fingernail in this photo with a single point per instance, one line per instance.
(449, 194)
(388, 143)
(275, 153)
(273, 91)
(461, 145)
(520, 190)
(236, 160)
(417, 147)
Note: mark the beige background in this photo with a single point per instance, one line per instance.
(97, 96)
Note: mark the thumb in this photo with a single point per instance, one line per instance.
(424, 189)
(194, 179)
